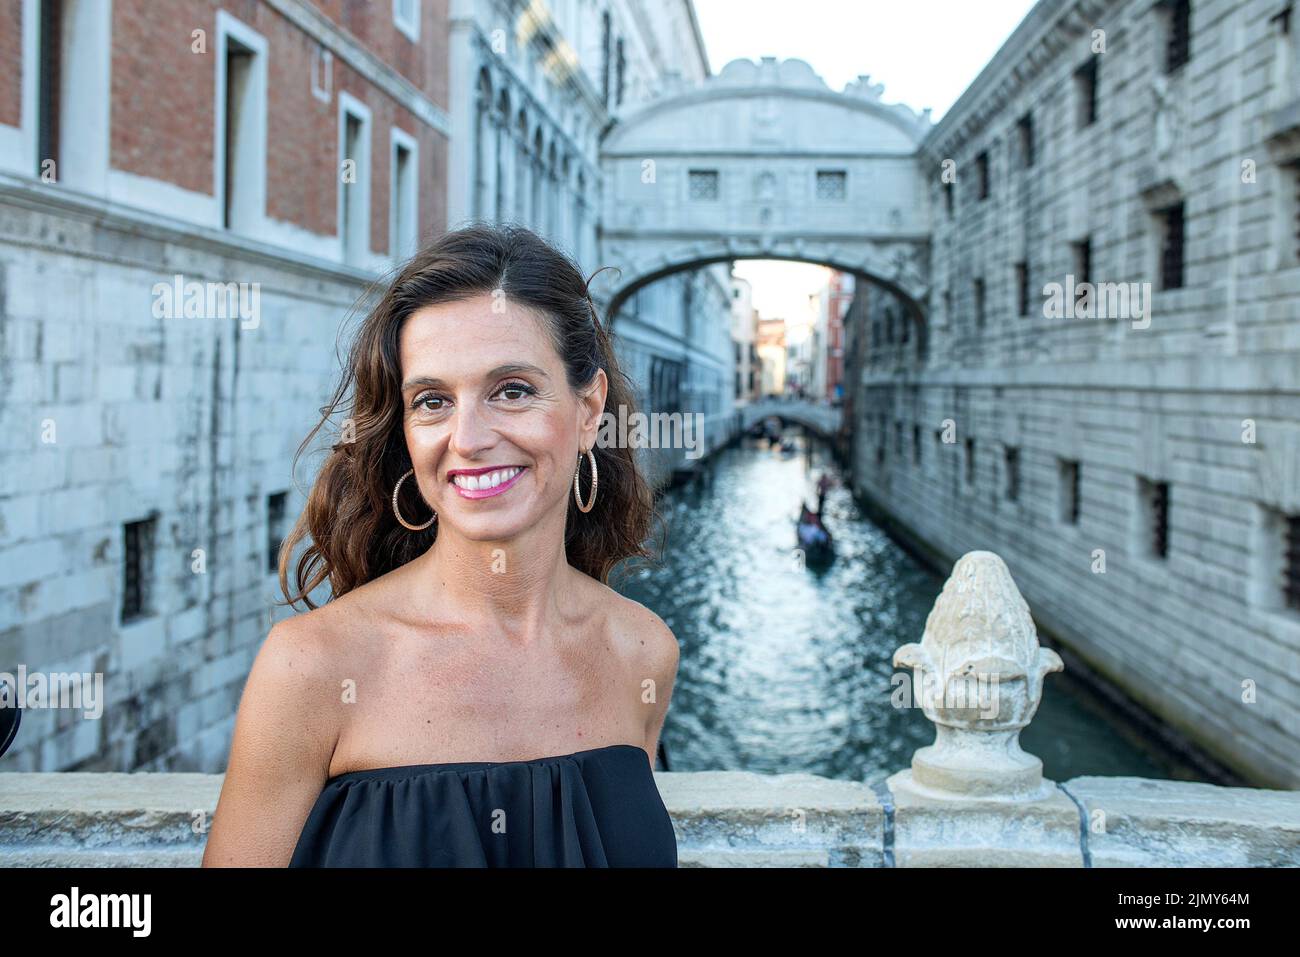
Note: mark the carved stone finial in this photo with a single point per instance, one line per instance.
(978, 672)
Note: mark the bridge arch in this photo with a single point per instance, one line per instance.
(764, 161)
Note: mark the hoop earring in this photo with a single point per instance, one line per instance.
(397, 488)
(577, 496)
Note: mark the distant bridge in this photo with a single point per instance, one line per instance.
(821, 418)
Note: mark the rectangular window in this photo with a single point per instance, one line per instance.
(49, 83)
(1171, 246)
(1291, 563)
(898, 438)
(137, 578)
(1082, 255)
(832, 185)
(970, 462)
(354, 180)
(606, 48)
(947, 198)
(1022, 289)
(1068, 472)
(406, 17)
(403, 203)
(982, 174)
(1011, 459)
(620, 75)
(1085, 88)
(1025, 140)
(276, 529)
(1153, 499)
(1178, 33)
(979, 303)
(916, 445)
(238, 117)
(1291, 205)
(703, 184)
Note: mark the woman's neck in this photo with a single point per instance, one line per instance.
(512, 587)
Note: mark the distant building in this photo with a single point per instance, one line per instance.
(744, 332)
(772, 356)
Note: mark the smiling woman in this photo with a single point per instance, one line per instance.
(473, 693)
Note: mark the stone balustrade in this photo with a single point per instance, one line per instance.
(974, 798)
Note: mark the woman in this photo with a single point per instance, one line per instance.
(473, 694)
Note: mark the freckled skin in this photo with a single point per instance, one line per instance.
(452, 658)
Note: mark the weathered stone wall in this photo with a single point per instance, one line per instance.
(108, 415)
(1202, 393)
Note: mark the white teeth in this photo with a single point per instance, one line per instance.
(475, 483)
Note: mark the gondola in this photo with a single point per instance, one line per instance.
(817, 549)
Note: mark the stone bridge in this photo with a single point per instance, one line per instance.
(817, 416)
(765, 161)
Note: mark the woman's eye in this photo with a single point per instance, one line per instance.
(422, 401)
(521, 388)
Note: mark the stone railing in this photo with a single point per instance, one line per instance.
(973, 798)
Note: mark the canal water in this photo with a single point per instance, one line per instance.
(786, 667)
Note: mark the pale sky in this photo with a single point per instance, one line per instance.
(925, 52)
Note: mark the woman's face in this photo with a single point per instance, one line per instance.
(492, 427)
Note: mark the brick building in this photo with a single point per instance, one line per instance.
(192, 197)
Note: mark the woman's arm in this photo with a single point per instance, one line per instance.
(284, 738)
(662, 654)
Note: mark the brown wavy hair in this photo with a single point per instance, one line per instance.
(354, 536)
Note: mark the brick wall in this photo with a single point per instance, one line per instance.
(11, 55)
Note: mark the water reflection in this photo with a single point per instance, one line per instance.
(787, 668)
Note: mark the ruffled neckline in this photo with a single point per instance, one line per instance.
(411, 770)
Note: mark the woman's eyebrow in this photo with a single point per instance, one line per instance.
(510, 368)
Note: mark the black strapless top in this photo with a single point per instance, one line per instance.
(595, 808)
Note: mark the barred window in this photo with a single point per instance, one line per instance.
(1025, 139)
(1171, 247)
(1022, 289)
(276, 514)
(1082, 265)
(1068, 473)
(1011, 459)
(832, 184)
(703, 184)
(1291, 563)
(1178, 48)
(1154, 501)
(137, 579)
(1294, 170)
(1085, 86)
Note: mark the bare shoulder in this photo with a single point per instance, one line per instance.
(642, 635)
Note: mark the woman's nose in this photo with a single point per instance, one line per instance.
(469, 429)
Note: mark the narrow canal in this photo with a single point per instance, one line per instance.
(788, 668)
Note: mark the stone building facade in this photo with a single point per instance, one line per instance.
(1131, 449)
(191, 200)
